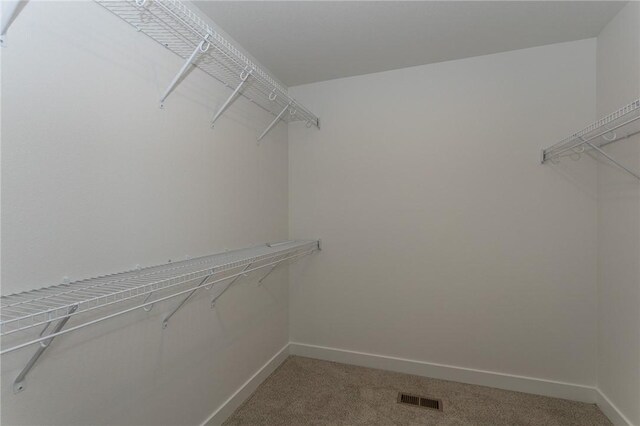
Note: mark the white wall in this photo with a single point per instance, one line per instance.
(444, 238)
(618, 83)
(96, 179)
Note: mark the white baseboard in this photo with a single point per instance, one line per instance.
(610, 410)
(511, 382)
(447, 372)
(230, 405)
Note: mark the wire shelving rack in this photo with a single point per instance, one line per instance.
(182, 31)
(619, 125)
(38, 316)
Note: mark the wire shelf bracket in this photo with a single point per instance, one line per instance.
(185, 33)
(610, 158)
(273, 268)
(202, 47)
(10, 10)
(275, 121)
(19, 383)
(165, 322)
(91, 301)
(213, 301)
(619, 125)
(232, 97)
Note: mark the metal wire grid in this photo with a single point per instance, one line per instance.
(607, 125)
(172, 24)
(21, 312)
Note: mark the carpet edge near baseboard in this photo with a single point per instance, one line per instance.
(555, 389)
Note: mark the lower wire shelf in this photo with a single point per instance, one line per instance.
(98, 299)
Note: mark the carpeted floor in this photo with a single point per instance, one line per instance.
(304, 391)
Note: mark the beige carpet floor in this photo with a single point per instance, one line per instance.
(304, 391)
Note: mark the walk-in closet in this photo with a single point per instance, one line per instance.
(325, 213)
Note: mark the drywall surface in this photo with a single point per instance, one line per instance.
(96, 178)
(444, 238)
(618, 82)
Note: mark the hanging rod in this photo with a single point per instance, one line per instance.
(619, 125)
(94, 300)
(181, 30)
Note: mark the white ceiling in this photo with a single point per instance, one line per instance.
(307, 41)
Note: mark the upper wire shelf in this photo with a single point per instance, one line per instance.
(616, 126)
(124, 292)
(619, 125)
(182, 31)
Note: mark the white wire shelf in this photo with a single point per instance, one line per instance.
(85, 302)
(179, 29)
(616, 126)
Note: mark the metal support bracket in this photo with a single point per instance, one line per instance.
(243, 79)
(273, 268)
(213, 301)
(275, 121)
(165, 321)
(632, 173)
(202, 47)
(9, 12)
(19, 384)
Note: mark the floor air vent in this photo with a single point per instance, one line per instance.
(419, 401)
